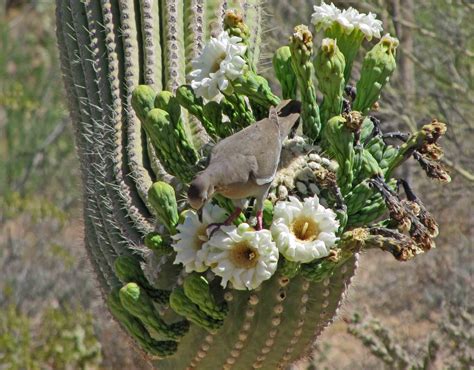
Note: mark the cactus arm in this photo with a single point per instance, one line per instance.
(115, 215)
(152, 63)
(173, 43)
(92, 247)
(150, 31)
(194, 13)
(130, 202)
(141, 177)
(88, 50)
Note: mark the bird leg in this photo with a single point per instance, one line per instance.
(227, 222)
(259, 220)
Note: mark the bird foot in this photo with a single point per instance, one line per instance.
(215, 227)
(227, 222)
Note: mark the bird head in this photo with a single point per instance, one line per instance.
(288, 116)
(200, 191)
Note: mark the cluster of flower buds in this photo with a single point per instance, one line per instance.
(333, 184)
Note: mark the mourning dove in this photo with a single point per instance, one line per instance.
(243, 165)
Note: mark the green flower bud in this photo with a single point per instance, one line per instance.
(155, 242)
(301, 47)
(183, 306)
(137, 330)
(348, 43)
(341, 144)
(329, 68)
(128, 270)
(379, 64)
(197, 290)
(284, 72)
(166, 101)
(256, 88)
(194, 105)
(235, 107)
(235, 26)
(162, 197)
(139, 304)
(143, 98)
(267, 213)
(171, 144)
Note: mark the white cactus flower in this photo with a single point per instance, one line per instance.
(304, 231)
(368, 24)
(192, 235)
(326, 15)
(220, 62)
(242, 256)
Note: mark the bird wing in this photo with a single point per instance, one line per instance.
(258, 144)
(235, 169)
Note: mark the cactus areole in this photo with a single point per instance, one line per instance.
(152, 86)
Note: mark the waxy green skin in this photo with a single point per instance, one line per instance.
(329, 67)
(140, 131)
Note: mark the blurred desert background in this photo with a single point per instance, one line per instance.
(417, 315)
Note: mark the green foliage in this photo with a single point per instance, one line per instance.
(448, 347)
(34, 152)
(63, 339)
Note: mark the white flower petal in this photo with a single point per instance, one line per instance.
(219, 63)
(191, 237)
(292, 217)
(228, 260)
(326, 15)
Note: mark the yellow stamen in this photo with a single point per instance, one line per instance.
(243, 255)
(305, 228)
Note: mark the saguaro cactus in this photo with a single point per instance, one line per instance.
(142, 134)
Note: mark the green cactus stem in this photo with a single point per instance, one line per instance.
(301, 46)
(185, 307)
(139, 150)
(137, 303)
(137, 330)
(197, 289)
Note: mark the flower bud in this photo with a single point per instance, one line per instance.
(284, 72)
(379, 64)
(329, 68)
